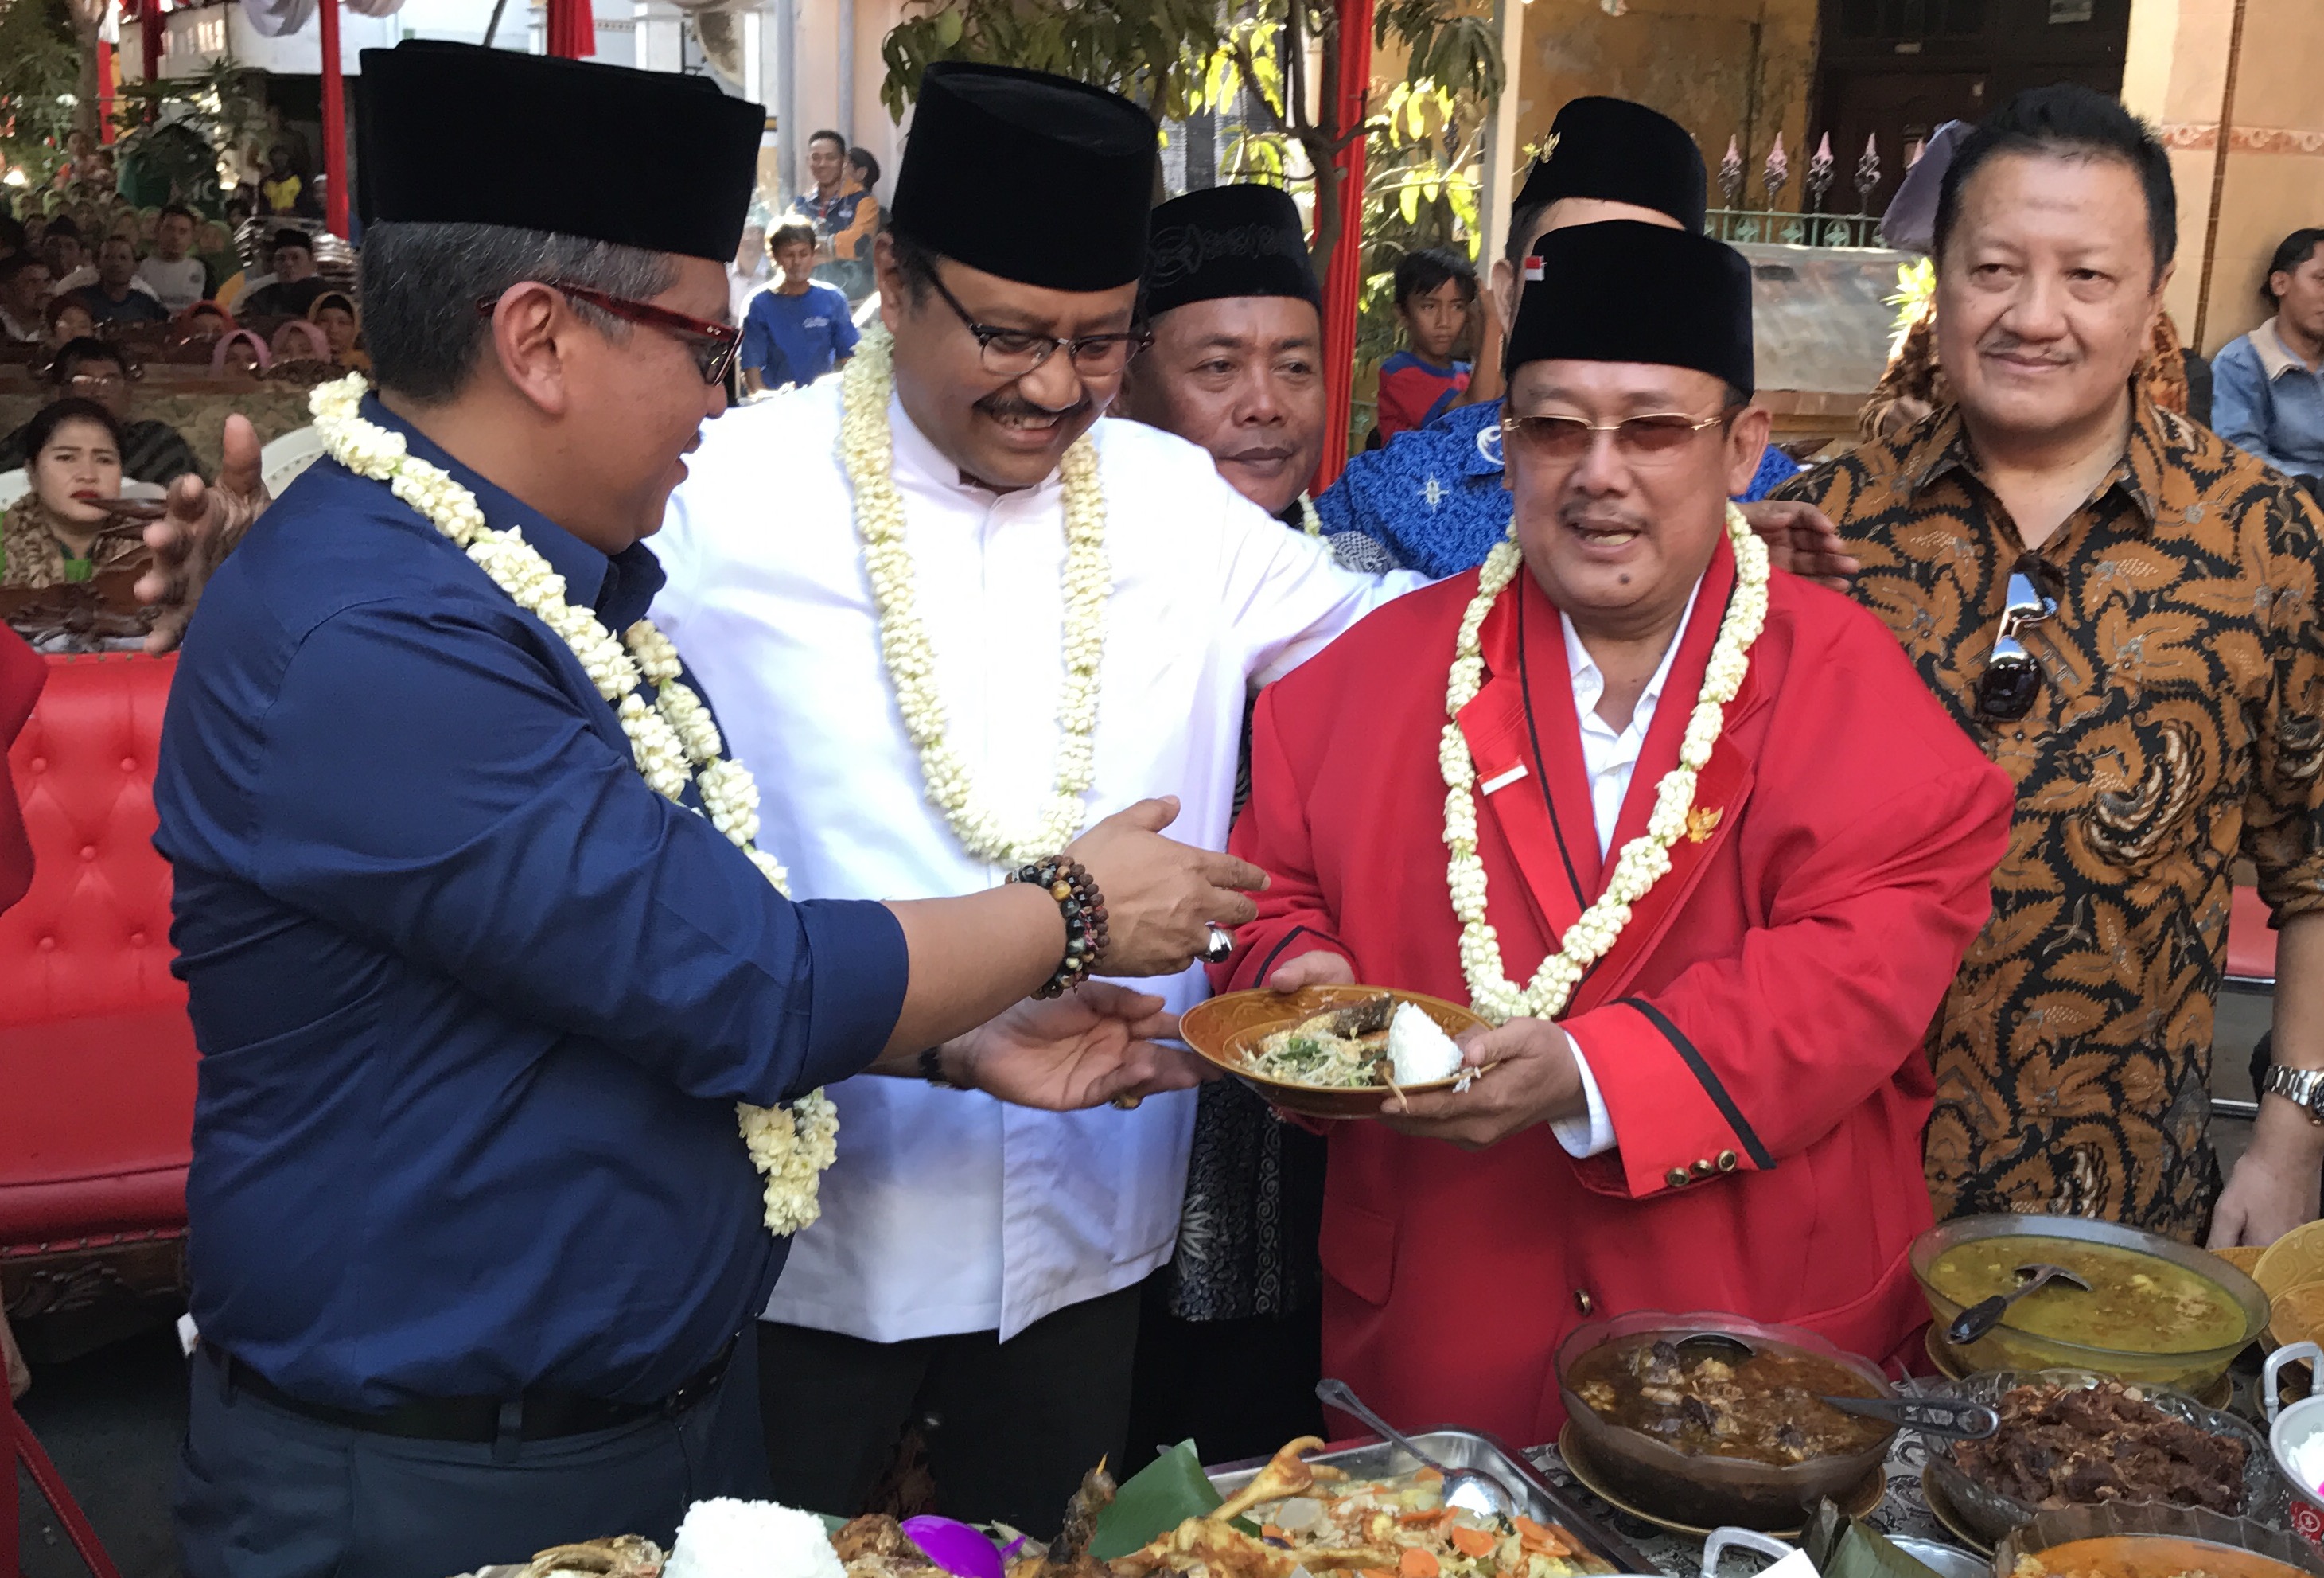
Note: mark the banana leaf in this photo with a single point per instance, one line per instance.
(1157, 1498)
(1841, 1547)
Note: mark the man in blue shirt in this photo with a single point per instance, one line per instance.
(1434, 497)
(798, 328)
(473, 1228)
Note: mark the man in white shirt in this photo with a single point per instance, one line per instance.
(1054, 616)
(178, 280)
(750, 272)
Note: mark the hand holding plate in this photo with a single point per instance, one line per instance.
(1532, 1079)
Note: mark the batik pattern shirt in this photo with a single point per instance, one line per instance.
(2179, 725)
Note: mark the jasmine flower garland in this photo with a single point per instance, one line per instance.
(867, 449)
(1644, 859)
(673, 741)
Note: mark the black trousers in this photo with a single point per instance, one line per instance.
(266, 1493)
(1237, 1388)
(1011, 1427)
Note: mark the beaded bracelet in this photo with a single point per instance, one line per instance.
(1077, 896)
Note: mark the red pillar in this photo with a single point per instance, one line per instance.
(335, 123)
(151, 24)
(105, 69)
(1343, 279)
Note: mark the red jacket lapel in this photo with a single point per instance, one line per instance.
(1540, 808)
(1720, 788)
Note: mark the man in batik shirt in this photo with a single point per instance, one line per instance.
(2157, 705)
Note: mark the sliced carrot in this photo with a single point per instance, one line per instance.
(1535, 1536)
(1427, 1518)
(1268, 1531)
(1416, 1563)
(1473, 1542)
(1427, 1477)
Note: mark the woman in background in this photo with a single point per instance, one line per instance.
(241, 351)
(333, 312)
(52, 535)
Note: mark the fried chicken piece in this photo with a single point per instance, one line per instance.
(1210, 1544)
(623, 1556)
(1094, 1496)
(1287, 1474)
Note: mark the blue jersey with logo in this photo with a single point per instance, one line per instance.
(796, 340)
(1434, 498)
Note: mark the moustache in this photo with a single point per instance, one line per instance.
(1597, 517)
(1004, 403)
(2009, 345)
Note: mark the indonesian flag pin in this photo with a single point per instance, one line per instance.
(1533, 268)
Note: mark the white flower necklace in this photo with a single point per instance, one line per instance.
(1644, 859)
(672, 741)
(867, 449)
(1309, 521)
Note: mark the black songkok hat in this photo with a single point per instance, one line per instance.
(1240, 240)
(984, 136)
(1620, 152)
(1625, 291)
(450, 133)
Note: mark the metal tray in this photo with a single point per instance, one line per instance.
(1463, 1449)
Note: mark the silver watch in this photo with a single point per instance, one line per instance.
(2303, 1085)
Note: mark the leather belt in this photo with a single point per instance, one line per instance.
(540, 1414)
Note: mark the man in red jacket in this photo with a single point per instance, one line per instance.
(1714, 856)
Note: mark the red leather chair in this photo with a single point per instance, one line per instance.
(2251, 945)
(96, 1057)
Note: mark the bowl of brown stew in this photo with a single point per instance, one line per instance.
(1692, 1432)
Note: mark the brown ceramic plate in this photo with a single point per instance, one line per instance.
(1228, 1027)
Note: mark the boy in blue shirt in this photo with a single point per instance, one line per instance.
(797, 329)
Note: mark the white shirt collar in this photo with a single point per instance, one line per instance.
(1589, 683)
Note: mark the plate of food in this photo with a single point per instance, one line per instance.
(1330, 1051)
(1372, 1509)
(2074, 1437)
(2147, 1539)
(1702, 1420)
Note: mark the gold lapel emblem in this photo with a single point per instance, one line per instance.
(1701, 822)
(1549, 147)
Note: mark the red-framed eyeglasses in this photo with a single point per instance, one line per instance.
(714, 346)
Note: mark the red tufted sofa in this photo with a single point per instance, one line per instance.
(96, 1057)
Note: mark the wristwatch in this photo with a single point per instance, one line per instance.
(2303, 1085)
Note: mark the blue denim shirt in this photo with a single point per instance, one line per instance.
(475, 1005)
(1433, 497)
(2266, 400)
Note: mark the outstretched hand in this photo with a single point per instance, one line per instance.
(1802, 539)
(1094, 1045)
(204, 523)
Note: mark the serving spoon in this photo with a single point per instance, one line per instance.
(1471, 1490)
(1945, 1417)
(1979, 1319)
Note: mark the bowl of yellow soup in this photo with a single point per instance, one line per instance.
(2157, 1312)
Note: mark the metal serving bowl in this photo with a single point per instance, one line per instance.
(1707, 1491)
(1991, 1516)
(2238, 1547)
(2009, 1347)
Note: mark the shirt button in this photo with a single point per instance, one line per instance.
(37, 764)
(48, 945)
(1583, 1302)
(1675, 1178)
(129, 764)
(1702, 1169)
(2194, 513)
(88, 852)
(1729, 1161)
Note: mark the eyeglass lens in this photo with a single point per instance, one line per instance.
(1564, 440)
